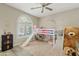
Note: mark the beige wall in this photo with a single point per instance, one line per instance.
(8, 20)
(60, 20)
(47, 23)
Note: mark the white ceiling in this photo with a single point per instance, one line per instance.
(57, 7)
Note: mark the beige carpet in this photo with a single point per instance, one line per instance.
(16, 51)
(39, 48)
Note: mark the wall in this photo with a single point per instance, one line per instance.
(60, 20)
(8, 20)
(47, 22)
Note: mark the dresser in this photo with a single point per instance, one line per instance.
(7, 42)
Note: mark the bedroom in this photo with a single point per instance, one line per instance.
(21, 18)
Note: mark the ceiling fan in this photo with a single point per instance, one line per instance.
(43, 6)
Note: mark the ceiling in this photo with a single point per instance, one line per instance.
(57, 7)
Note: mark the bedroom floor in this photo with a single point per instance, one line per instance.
(36, 48)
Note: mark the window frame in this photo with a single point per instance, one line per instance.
(28, 21)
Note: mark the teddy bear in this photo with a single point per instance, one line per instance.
(71, 36)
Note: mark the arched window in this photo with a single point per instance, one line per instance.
(24, 26)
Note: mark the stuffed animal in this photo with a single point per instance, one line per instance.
(69, 51)
(71, 36)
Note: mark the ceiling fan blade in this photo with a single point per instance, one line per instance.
(49, 8)
(47, 4)
(35, 7)
(42, 10)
